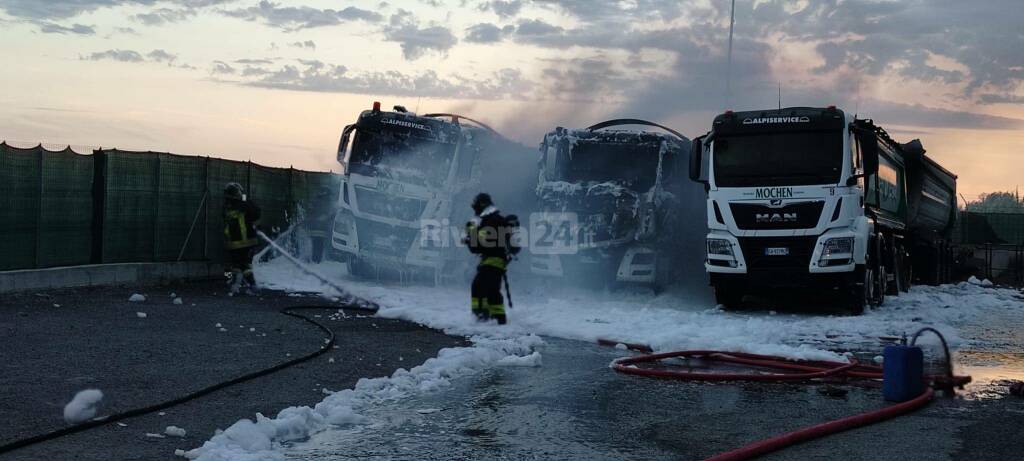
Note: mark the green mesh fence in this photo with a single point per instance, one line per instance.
(19, 206)
(45, 207)
(130, 205)
(62, 208)
(996, 228)
(65, 226)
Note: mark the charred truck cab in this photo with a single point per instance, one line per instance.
(623, 187)
(812, 197)
(402, 170)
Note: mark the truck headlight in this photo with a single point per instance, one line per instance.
(719, 247)
(837, 252)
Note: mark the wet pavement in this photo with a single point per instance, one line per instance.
(575, 407)
(59, 342)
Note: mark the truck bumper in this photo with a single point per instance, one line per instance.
(784, 279)
(802, 253)
(635, 264)
(347, 244)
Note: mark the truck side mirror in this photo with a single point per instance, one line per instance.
(869, 151)
(696, 156)
(343, 144)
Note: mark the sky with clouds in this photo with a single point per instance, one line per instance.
(275, 81)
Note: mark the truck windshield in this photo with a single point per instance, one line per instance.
(402, 157)
(778, 159)
(635, 166)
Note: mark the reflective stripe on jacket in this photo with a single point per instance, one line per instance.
(494, 261)
(236, 230)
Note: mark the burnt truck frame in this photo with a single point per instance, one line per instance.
(815, 197)
(398, 219)
(620, 228)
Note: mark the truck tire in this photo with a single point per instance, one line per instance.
(868, 285)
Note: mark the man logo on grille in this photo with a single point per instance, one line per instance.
(765, 218)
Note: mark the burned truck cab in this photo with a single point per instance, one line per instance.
(401, 174)
(607, 200)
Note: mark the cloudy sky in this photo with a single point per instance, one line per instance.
(275, 81)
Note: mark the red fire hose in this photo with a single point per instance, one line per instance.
(788, 370)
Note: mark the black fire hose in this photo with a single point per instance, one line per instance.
(508, 291)
(104, 420)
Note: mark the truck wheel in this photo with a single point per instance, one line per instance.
(867, 286)
(875, 274)
(880, 286)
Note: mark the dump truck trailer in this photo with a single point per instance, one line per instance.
(815, 198)
(405, 192)
(613, 194)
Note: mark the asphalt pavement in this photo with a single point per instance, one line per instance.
(59, 342)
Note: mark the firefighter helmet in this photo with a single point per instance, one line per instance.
(233, 190)
(481, 202)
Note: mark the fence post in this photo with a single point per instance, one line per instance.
(39, 210)
(206, 209)
(1019, 255)
(292, 204)
(156, 211)
(99, 189)
(988, 261)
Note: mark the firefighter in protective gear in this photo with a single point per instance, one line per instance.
(321, 217)
(240, 217)
(488, 234)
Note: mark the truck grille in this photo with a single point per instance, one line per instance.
(389, 206)
(385, 239)
(800, 250)
(802, 215)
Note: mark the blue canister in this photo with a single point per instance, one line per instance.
(902, 373)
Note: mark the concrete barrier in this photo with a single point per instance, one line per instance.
(107, 274)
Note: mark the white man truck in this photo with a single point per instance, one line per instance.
(407, 183)
(803, 197)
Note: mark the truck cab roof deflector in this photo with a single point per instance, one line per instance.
(456, 117)
(634, 121)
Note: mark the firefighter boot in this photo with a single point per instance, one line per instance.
(479, 308)
(497, 311)
(235, 282)
(250, 283)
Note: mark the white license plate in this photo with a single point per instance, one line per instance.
(782, 251)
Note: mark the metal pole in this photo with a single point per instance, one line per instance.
(206, 210)
(39, 210)
(195, 219)
(728, 71)
(156, 212)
